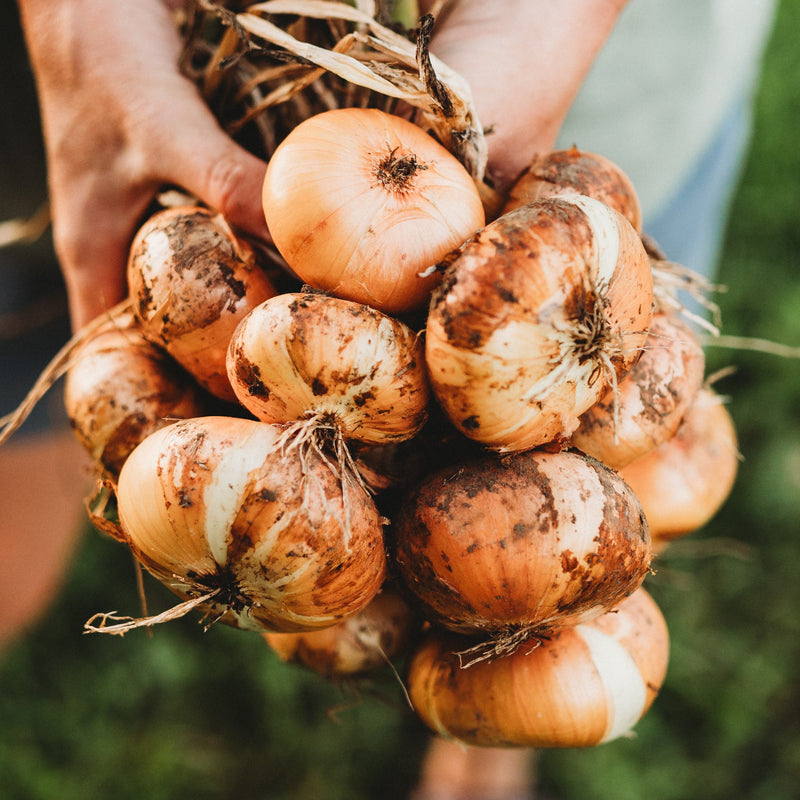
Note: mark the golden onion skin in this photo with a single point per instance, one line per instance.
(531, 541)
(365, 642)
(649, 403)
(537, 315)
(361, 204)
(191, 280)
(686, 480)
(217, 503)
(583, 686)
(572, 172)
(303, 355)
(120, 388)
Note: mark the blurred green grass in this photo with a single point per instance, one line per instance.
(188, 713)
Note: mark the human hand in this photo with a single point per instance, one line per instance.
(120, 121)
(525, 61)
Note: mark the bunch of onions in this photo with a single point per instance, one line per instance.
(261, 536)
(650, 401)
(684, 482)
(362, 204)
(574, 172)
(538, 315)
(360, 644)
(332, 362)
(191, 280)
(586, 685)
(511, 547)
(120, 388)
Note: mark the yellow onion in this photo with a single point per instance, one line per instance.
(583, 686)
(538, 315)
(312, 356)
(361, 203)
(685, 481)
(191, 280)
(120, 388)
(571, 172)
(362, 643)
(217, 506)
(648, 405)
(525, 543)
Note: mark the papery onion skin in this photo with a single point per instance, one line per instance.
(651, 400)
(360, 644)
(536, 316)
(360, 203)
(586, 685)
(304, 355)
(531, 541)
(191, 280)
(573, 171)
(685, 481)
(120, 388)
(216, 503)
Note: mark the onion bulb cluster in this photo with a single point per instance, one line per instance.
(437, 439)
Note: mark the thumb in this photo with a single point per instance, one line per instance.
(207, 162)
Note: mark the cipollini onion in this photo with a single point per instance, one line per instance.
(651, 400)
(572, 172)
(507, 547)
(191, 280)
(310, 356)
(215, 507)
(585, 685)
(538, 315)
(362, 643)
(685, 481)
(361, 204)
(120, 388)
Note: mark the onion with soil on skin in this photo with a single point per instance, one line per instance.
(363, 643)
(120, 388)
(262, 536)
(538, 315)
(319, 360)
(572, 172)
(684, 482)
(362, 204)
(650, 401)
(506, 548)
(584, 686)
(191, 280)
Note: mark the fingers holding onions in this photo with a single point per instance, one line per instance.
(538, 315)
(361, 203)
(214, 506)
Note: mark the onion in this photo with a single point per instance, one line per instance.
(571, 172)
(346, 365)
(685, 481)
(191, 281)
(215, 507)
(360, 644)
(507, 547)
(585, 685)
(650, 401)
(539, 314)
(120, 388)
(360, 203)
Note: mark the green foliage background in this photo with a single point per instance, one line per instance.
(214, 715)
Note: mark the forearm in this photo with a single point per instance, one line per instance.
(525, 61)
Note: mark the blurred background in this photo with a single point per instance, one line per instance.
(213, 714)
